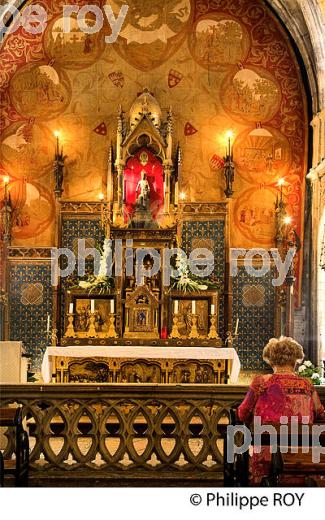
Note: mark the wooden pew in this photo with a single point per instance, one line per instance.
(18, 467)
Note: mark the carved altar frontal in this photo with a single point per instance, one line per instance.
(128, 370)
(140, 364)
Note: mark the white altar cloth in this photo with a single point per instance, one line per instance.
(141, 352)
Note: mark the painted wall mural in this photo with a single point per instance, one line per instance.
(222, 65)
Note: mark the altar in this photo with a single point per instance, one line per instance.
(149, 304)
(140, 364)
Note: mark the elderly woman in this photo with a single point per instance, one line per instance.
(281, 394)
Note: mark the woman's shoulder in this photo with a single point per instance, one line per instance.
(260, 381)
(293, 382)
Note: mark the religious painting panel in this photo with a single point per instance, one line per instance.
(141, 372)
(202, 310)
(39, 90)
(251, 95)
(91, 314)
(219, 41)
(152, 32)
(88, 371)
(74, 49)
(262, 155)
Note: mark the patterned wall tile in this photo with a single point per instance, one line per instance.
(254, 305)
(209, 234)
(30, 297)
(73, 229)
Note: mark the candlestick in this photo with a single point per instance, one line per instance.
(175, 332)
(213, 333)
(70, 333)
(111, 329)
(236, 328)
(48, 325)
(194, 334)
(91, 333)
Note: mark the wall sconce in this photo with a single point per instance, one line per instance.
(59, 159)
(229, 167)
(6, 212)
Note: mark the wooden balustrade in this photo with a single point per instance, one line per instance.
(124, 433)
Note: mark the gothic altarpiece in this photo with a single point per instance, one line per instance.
(141, 209)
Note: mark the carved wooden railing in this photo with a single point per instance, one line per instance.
(154, 432)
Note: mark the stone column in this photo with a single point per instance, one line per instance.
(316, 178)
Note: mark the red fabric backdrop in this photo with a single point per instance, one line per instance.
(132, 175)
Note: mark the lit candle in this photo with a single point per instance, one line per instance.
(281, 183)
(213, 309)
(57, 135)
(112, 307)
(236, 328)
(193, 306)
(71, 308)
(230, 136)
(176, 307)
(92, 306)
(48, 325)
(6, 181)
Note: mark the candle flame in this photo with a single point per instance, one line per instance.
(281, 182)
(230, 134)
(6, 179)
(182, 195)
(101, 196)
(57, 134)
(287, 220)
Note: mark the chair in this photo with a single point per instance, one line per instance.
(236, 473)
(18, 467)
(1, 470)
(293, 464)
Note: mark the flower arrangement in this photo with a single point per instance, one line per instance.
(100, 283)
(310, 371)
(185, 282)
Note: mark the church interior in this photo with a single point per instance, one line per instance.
(152, 188)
